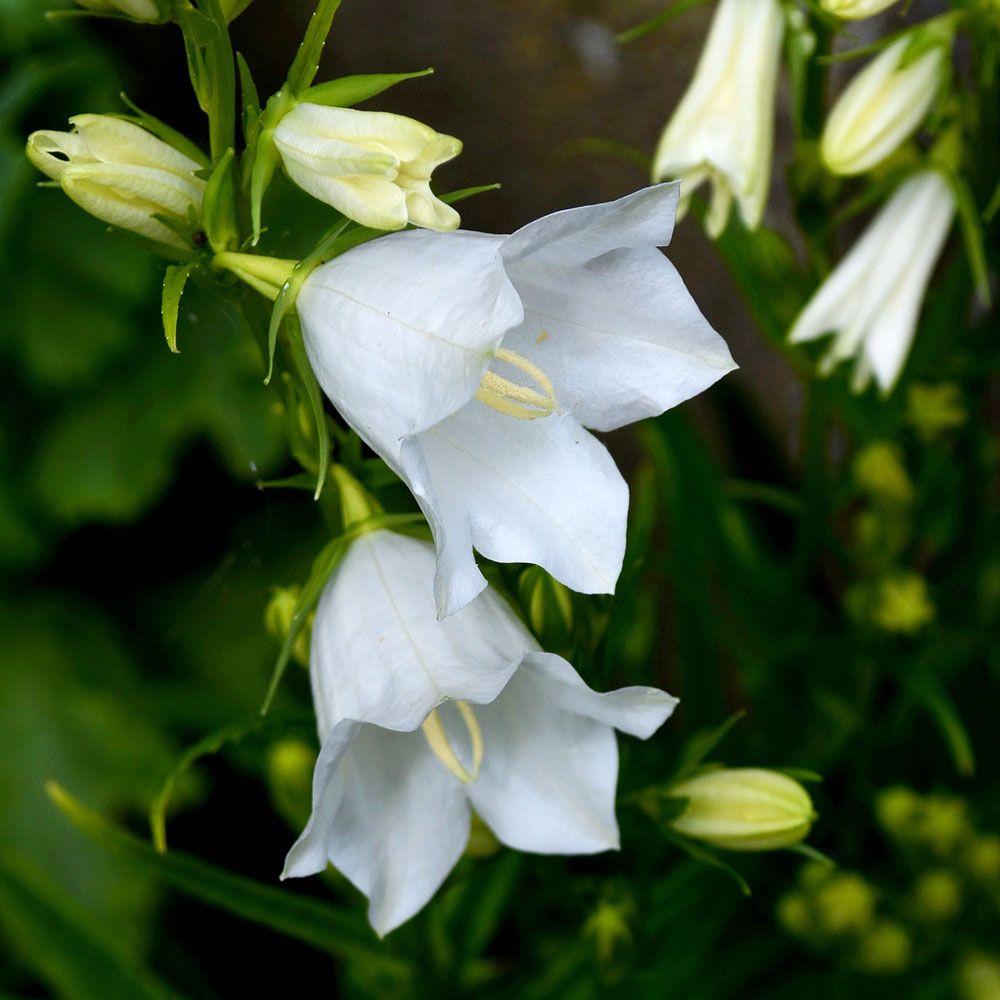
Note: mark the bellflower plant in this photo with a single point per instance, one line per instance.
(872, 298)
(723, 129)
(123, 175)
(422, 720)
(855, 10)
(472, 364)
(373, 166)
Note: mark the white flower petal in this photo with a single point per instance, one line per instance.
(644, 218)
(379, 655)
(620, 337)
(399, 331)
(543, 491)
(548, 775)
(113, 140)
(388, 815)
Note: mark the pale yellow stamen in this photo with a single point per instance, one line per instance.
(513, 399)
(437, 740)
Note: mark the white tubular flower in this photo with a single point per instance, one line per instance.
(472, 363)
(872, 299)
(855, 10)
(882, 107)
(723, 128)
(458, 714)
(372, 166)
(122, 174)
(138, 10)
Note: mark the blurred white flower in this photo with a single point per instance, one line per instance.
(855, 10)
(884, 103)
(421, 720)
(872, 299)
(372, 166)
(590, 326)
(123, 175)
(723, 128)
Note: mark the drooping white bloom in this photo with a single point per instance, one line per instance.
(883, 105)
(723, 128)
(872, 299)
(472, 363)
(123, 175)
(422, 720)
(372, 166)
(855, 10)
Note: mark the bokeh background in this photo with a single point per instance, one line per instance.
(138, 554)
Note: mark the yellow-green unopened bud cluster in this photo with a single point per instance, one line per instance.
(125, 176)
(744, 809)
(278, 621)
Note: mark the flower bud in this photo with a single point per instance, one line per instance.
(886, 950)
(879, 472)
(744, 809)
(122, 174)
(855, 10)
(896, 810)
(933, 409)
(982, 858)
(372, 166)
(885, 102)
(902, 603)
(937, 896)
(979, 977)
(723, 128)
(845, 904)
(278, 621)
(290, 764)
(138, 10)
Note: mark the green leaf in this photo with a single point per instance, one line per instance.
(700, 745)
(930, 693)
(59, 938)
(236, 732)
(251, 99)
(306, 62)
(317, 924)
(453, 197)
(657, 22)
(174, 279)
(346, 91)
(219, 206)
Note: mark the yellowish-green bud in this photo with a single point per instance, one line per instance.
(902, 603)
(982, 858)
(278, 621)
(855, 10)
(795, 915)
(979, 977)
(885, 102)
(147, 11)
(124, 175)
(845, 904)
(886, 950)
(744, 809)
(879, 472)
(943, 824)
(609, 929)
(933, 409)
(937, 896)
(356, 503)
(896, 809)
(290, 764)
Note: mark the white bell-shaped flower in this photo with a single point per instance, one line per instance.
(122, 174)
(373, 166)
(723, 128)
(423, 720)
(872, 298)
(472, 363)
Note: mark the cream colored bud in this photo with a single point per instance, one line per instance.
(373, 167)
(723, 128)
(855, 10)
(138, 10)
(882, 106)
(744, 809)
(122, 174)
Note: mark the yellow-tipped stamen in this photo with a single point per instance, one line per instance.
(513, 399)
(437, 740)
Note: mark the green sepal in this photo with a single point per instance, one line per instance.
(250, 99)
(265, 161)
(707, 857)
(174, 280)
(161, 130)
(350, 90)
(306, 63)
(323, 566)
(235, 732)
(197, 27)
(218, 213)
(314, 396)
(700, 745)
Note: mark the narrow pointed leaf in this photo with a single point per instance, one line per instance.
(350, 90)
(250, 97)
(219, 206)
(174, 280)
(306, 62)
(470, 192)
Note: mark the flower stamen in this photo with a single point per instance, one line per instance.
(512, 398)
(437, 740)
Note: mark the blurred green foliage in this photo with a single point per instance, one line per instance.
(846, 597)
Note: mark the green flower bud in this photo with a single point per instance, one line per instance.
(356, 503)
(795, 915)
(902, 603)
(744, 809)
(290, 764)
(982, 858)
(943, 824)
(937, 896)
(845, 904)
(278, 621)
(886, 950)
(609, 929)
(933, 409)
(896, 809)
(979, 977)
(879, 472)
